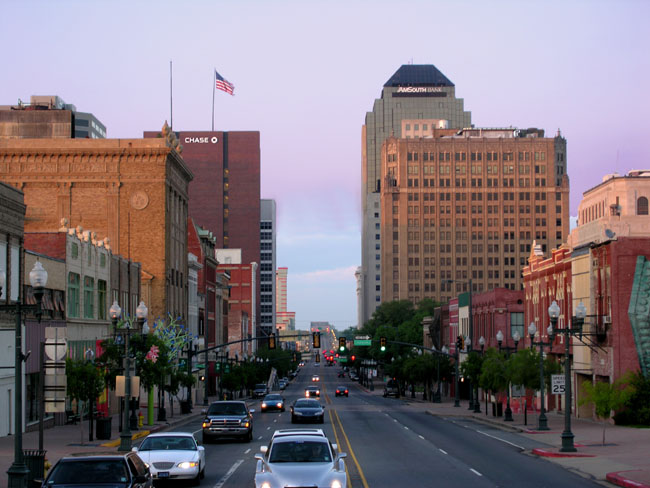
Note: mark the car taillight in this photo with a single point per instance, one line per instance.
(346, 391)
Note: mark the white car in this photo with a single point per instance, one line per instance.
(300, 459)
(173, 456)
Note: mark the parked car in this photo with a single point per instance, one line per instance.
(173, 456)
(260, 390)
(108, 469)
(228, 419)
(300, 460)
(273, 401)
(307, 410)
(341, 391)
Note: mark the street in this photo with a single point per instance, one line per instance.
(391, 443)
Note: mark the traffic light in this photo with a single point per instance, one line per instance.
(353, 357)
(317, 358)
(294, 357)
(382, 344)
(341, 343)
(272, 341)
(316, 340)
(460, 343)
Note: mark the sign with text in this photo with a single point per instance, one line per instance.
(557, 384)
(362, 342)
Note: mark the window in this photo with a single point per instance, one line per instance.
(89, 297)
(102, 260)
(73, 295)
(74, 251)
(101, 299)
(517, 324)
(642, 206)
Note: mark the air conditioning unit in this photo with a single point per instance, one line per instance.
(607, 319)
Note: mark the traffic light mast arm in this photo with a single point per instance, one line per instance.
(418, 346)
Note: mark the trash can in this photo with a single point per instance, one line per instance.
(185, 407)
(35, 462)
(103, 427)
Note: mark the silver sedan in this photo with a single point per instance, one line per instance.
(300, 460)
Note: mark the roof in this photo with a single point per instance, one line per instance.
(418, 75)
(301, 432)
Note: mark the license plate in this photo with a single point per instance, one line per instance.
(163, 474)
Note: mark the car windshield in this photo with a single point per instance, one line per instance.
(343, 388)
(300, 452)
(80, 472)
(307, 404)
(272, 398)
(227, 409)
(260, 386)
(168, 443)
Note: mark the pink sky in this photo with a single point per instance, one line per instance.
(305, 74)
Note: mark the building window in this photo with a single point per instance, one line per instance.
(102, 260)
(74, 250)
(101, 299)
(89, 297)
(642, 206)
(73, 295)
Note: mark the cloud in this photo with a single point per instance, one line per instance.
(324, 275)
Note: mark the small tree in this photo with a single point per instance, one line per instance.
(85, 383)
(494, 376)
(607, 397)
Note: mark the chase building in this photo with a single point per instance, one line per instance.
(415, 102)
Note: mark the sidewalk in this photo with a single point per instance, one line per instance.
(622, 461)
(63, 440)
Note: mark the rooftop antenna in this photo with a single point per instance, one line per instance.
(171, 103)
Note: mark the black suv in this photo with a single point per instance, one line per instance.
(228, 419)
(260, 390)
(112, 469)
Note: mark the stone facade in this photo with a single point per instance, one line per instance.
(133, 191)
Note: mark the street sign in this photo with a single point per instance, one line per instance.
(362, 342)
(343, 359)
(557, 384)
(362, 337)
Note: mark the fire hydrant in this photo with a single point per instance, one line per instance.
(140, 419)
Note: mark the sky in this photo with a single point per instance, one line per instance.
(306, 73)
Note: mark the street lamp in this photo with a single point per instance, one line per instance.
(508, 350)
(574, 328)
(542, 423)
(17, 472)
(115, 312)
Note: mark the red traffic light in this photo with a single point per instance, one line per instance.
(353, 357)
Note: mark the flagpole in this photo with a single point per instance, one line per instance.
(214, 88)
(171, 103)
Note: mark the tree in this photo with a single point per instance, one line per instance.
(85, 382)
(523, 369)
(637, 409)
(607, 397)
(494, 376)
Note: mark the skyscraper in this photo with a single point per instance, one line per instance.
(267, 265)
(414, 100)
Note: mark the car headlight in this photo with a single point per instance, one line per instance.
(246, 424)
(298, 413)
(263, 405)
(279, 405)
(266, 484)
(335, 484)
(188, 464)
(206, 423)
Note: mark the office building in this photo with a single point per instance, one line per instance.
(267, 265)
(48, 117)
(414, 100)
(464, 206)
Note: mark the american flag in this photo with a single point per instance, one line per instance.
(223, 84)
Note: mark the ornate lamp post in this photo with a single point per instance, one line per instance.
(477, 403)
(542, 422)
(508, 415)
(575, 329)
(17, 472)
(115, 313)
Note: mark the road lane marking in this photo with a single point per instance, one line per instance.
(336, 437)
(247, 450)
(259, 438)
(475, 472)
(230, 472)
(268, 428)
(197, 431)
(421, 436)
(350, 450)
(499, 439)
(442, 451)
(405, 427)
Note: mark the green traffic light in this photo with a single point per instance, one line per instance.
(383, 348)
(341, 348)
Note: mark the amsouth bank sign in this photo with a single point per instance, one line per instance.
(201, 140)
(419, 91)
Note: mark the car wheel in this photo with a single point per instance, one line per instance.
(322, 419)
(249, 437)
(206, 439)
(202, 473)
(293, 419)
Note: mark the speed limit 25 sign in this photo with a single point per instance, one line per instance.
(557, 384)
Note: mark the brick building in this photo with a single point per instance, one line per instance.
(464, 205)
(224, 196)
(133, 191)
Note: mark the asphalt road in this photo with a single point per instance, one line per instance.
(391, 444)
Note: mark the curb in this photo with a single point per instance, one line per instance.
(619, 480)
(137, 435)
(557, 454)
